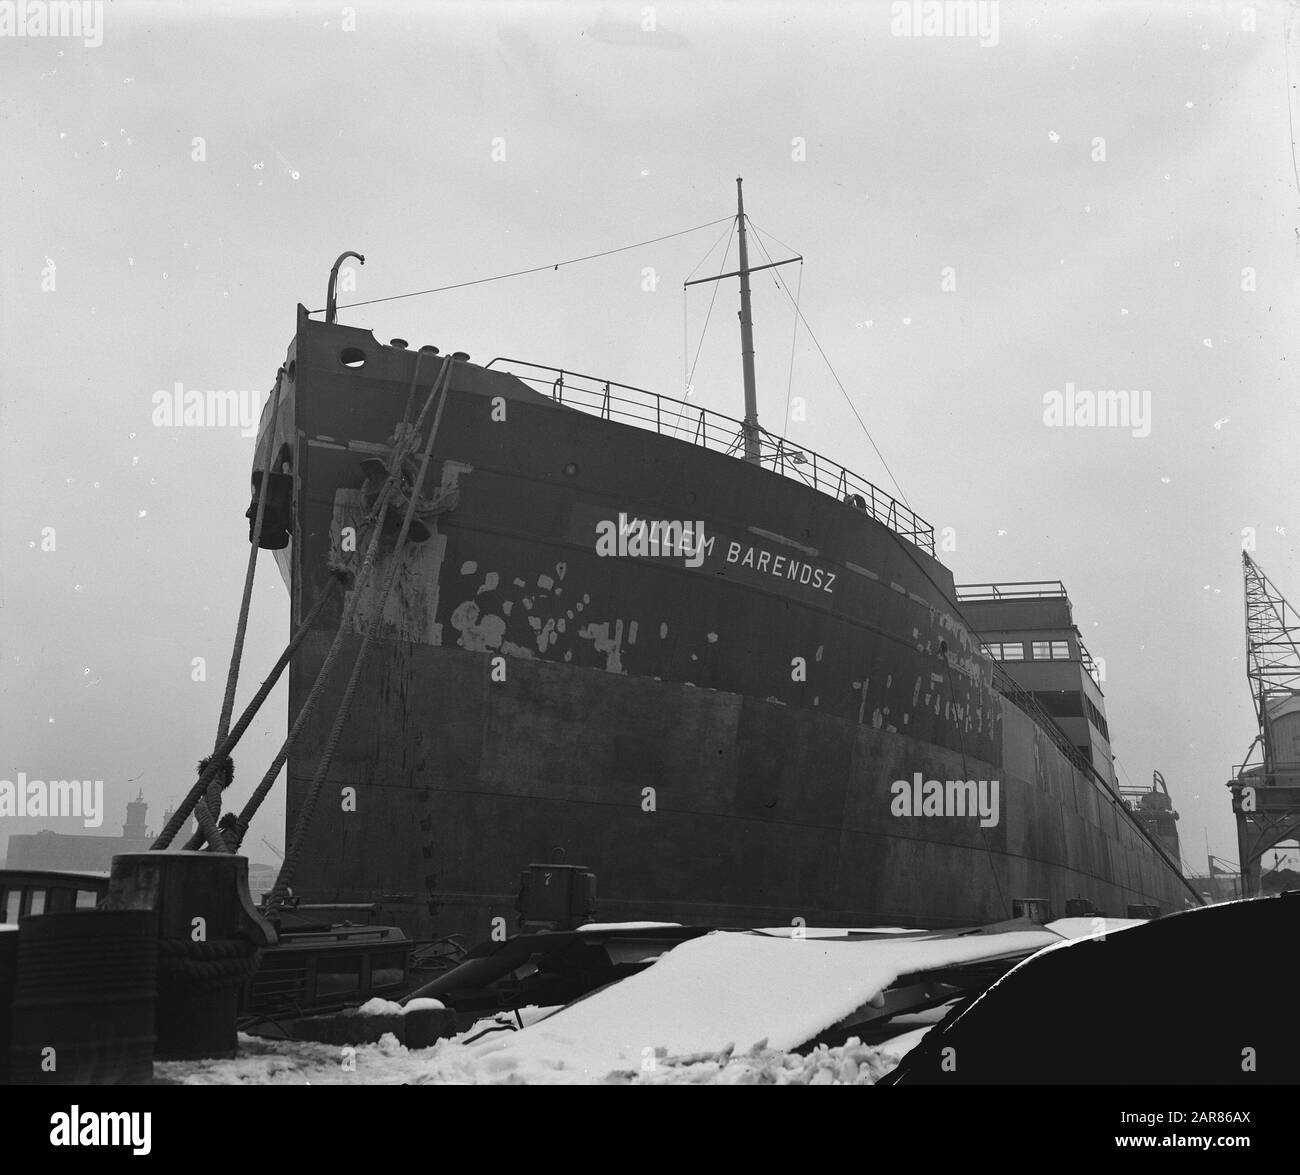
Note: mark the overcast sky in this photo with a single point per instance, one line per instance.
(1102, 181)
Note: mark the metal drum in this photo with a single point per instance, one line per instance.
(83, 1010)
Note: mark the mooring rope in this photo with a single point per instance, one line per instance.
(400, 452)
(293, 849)
(188, 805)
(207, 825)
(216, 787)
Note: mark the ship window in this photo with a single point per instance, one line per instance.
(87, 899)
(1051, 650)
(387, 970)
(1096, 718)
(352, 357)
(13, 900)
(338, 976)
(1007, 650)
(35, 901)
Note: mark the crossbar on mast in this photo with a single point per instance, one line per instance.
(752, 432)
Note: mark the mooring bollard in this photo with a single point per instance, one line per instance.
(209, 939)
(83, 1010)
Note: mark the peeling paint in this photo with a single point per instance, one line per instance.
(468, 568)
(478, 635)
(612, 647)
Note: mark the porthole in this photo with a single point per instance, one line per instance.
(352, 357)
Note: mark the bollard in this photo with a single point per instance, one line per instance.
(209, 940)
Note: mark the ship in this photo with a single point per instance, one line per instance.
(721, 676)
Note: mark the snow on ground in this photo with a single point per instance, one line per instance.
(273, 1062)
(726, 1008)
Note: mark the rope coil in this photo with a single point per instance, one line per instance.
(206, 966)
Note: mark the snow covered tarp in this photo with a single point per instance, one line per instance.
(729, 990)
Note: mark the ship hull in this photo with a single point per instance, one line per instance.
(719, 742)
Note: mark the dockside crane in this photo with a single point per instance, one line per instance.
(1266, 787)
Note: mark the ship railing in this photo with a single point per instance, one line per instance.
(668, 417)
(1035, 589)
(1089, 664)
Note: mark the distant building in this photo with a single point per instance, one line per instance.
(94, 854)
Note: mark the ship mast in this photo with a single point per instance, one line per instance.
(753, 449)
(752, 433)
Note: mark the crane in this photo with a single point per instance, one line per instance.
(1266, 794)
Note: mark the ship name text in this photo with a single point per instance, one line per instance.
(781, 566)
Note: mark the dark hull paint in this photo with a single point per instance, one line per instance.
(638, 683)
